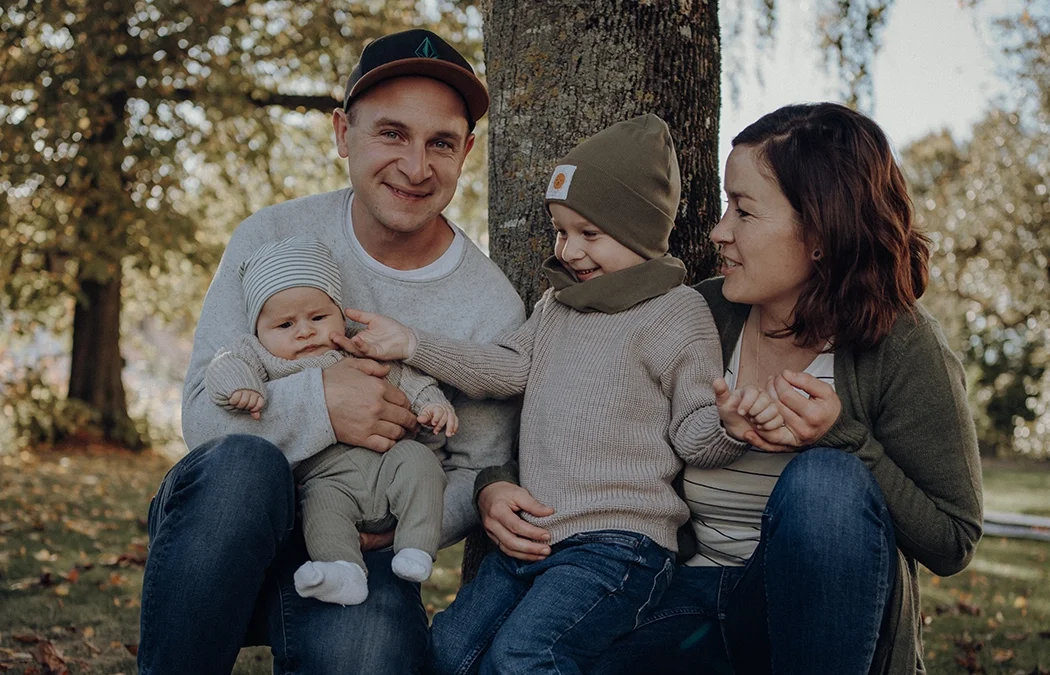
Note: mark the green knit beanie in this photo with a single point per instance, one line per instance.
(625, 180)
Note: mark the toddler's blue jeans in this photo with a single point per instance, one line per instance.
(552, 616)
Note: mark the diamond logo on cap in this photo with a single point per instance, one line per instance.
(425, 50)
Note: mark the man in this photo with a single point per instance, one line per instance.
(224, 541)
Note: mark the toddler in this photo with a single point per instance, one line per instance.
(292, 290)
(616, 365)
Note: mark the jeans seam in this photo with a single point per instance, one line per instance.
(667, 569)
(591, 609)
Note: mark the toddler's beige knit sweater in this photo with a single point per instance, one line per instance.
(613, 403)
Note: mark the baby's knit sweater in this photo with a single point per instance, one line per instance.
(613, 404)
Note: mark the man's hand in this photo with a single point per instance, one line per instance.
(365, 410)
(248, 400)
(500, 504)
(373, 541)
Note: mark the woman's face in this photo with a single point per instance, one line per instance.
(764, 260)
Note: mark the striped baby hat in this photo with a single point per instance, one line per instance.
(285, 264)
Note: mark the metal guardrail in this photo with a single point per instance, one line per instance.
(1016, 525)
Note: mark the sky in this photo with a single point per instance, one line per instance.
(937, 68)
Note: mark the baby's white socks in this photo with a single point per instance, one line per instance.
(412, 564)
(345, 583)
(339, 582)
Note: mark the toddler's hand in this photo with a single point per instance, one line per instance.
(250, 400)
(728, 403)
(761, 408)
(440, 416)
(383, 338)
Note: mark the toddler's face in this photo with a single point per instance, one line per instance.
(585, 249)
(296, 322)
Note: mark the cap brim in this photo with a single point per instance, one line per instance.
(460, 79)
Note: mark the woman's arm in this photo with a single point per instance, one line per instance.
(922, 450)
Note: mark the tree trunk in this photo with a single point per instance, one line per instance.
(559, 71)
(94, 374)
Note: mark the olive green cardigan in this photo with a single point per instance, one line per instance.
(904, 414)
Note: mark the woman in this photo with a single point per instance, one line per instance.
(808, 547)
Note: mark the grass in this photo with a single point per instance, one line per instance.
(73, 537)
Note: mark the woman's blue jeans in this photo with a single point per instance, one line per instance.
(224, 544)
(552, 616)
(812, 598)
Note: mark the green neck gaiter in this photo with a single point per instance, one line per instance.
(612, 293)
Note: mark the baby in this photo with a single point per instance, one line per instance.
(292, 290)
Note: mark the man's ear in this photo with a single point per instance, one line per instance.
(341, 124)
(468, 146)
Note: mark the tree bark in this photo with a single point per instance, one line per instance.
(559, 71)
(96, 364)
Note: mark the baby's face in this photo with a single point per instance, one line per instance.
(297, 322)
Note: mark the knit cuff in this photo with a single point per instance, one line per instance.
(495, 474)
(846, 434)
(228, 373)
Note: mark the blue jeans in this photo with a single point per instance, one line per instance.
(224, 544)
(552, 616)
(812, 598)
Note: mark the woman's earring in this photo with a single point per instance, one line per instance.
(816, 255)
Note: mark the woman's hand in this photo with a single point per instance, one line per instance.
(383, 338)
(500, 504)
(806, 420)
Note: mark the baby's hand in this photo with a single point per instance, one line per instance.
(250, 400)
(383, 338)
(440, 416)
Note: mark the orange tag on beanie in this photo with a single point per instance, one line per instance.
(560, 182)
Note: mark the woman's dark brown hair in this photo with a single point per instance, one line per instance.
(836, 168)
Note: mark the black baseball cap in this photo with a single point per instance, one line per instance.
(417, 52)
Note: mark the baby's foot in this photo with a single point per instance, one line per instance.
(339, 582)
(412, 564)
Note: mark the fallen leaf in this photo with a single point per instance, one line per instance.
(26, 638)
(1017, 637)
(1002, 655)
(133, 649)
(48, 655)
(91, 647)
(971, 610)
(1020, 602)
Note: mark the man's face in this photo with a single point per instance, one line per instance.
(405, 144)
